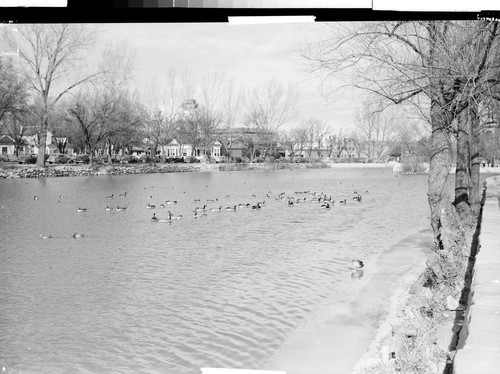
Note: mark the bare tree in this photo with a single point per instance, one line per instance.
(400, 61)
(331, 141)
(13, 90)
(268, 108)
(94, 114)
(51, 52)
(231, 106)
(163, 106)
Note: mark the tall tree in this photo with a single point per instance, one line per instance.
(13, 90)
(162, 108)
(268, 108)
(51, 53)
(400, 61)
(94, 115)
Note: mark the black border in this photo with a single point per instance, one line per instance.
(106, 11)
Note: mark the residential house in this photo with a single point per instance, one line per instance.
(6, 145)
(31, 140)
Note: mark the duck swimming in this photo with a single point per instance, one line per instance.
(110, 196)
(82, 210)
(108, 208)
(231, 209)
(76, 235)
(216, 209)
(120, 208)
(171, 216)
(45, 236)
(203, 208)
(123, 194)
(358, 264)
(150, 206)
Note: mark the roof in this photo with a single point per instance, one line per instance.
(6, 140)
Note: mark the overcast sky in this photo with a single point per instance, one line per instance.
(250, 54)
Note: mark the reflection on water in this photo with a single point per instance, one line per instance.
(222, 291)
(357, 274)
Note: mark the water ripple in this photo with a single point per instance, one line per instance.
(225, 290)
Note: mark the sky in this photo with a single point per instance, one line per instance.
(250, 54)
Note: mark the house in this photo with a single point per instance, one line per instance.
(175, 149)
(31, 139)
(6, 145)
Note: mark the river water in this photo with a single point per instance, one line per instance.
(227, 290)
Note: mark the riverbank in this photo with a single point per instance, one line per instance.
(11, 170)
(338, 335)
(428, 320)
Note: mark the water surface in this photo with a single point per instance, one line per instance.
(227, 290)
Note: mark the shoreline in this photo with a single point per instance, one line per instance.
(32, 171)
(345, 336)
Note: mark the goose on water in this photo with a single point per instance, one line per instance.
(216, 209)
(82, 210)
(45, 236)
(231, 209)
(171, 216)
(123, 194)
(110, 196)
(108, 208)
(358, 264)
(120, 208)
(76, 235)
(203, 208)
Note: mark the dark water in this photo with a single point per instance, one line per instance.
(222, 291)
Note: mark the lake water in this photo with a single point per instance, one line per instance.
(227, 290)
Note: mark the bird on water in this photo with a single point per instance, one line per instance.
(358, 264)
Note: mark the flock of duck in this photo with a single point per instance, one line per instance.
(298, 198)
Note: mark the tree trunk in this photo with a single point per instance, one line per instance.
(439, 167)
(110, 160)
(40, 160)
(475, 161)
(462, 173)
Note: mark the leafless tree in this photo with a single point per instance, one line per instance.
(162, 108)
(231, 107)
(51, 53)
(13, 90)
(268, 108)
(402, 60)
(94, 115)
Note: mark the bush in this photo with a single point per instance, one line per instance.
(191, 160)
